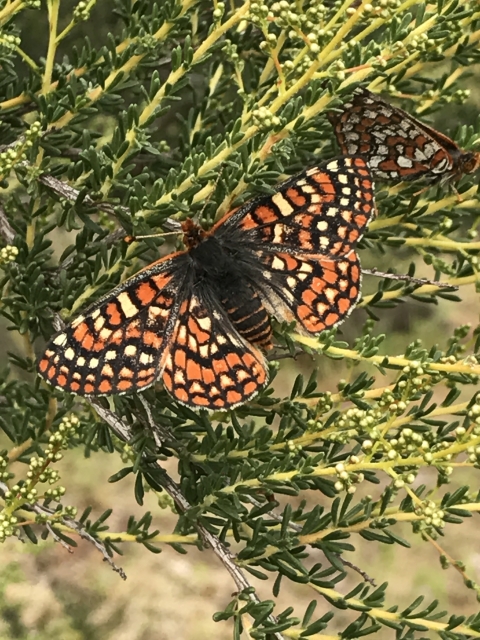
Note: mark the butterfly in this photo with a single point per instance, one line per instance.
(397, 145)
(201, 318)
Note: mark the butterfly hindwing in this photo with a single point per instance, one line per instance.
(209, 365)
(318, 292)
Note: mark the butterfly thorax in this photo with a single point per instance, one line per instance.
(193, 234)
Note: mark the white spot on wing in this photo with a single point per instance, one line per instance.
(277, 263)
(60, 340)
(284, 206)
(127, 306)
(404, 162)
(308, 189)
(77, 321)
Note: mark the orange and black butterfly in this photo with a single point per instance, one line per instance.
(397, 145)
(200, 318)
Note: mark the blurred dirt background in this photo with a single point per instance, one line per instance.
(48, 594)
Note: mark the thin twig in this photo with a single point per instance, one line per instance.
(57, 538)
(64, 190)
(75, 525)
(124, 432)
(406, 278)
(6, 229)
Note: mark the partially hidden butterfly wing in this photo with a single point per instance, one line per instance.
(209, 364)
(318, 292)
(119, 344)
(396, 145)
(323, 210)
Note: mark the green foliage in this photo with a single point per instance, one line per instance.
(131, 130)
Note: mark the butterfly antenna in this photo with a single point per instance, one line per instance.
(173, 226)
(130, 239)
(405, 278)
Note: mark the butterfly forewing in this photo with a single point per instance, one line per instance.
(117, 345)
(323, 210)
(397, 145)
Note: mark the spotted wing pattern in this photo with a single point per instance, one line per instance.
(119, 343)
(209, 364)
(397, 145)
(317, 292)
(199, 317)
(323, 210)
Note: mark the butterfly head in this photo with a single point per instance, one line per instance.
(193, 234)
(470, 161)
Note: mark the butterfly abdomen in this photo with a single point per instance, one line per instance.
(216, 263)
(249, 316)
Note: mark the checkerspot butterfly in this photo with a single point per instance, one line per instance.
(200, 318)
(397, 145)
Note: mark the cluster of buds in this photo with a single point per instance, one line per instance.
(81, 11)
(346, 481)
(265, 120)
(409, 443)
(355, 421)
(432, 518)
(219, 11)
(164, 501)
(16, 153)
(258, 13)
(4, 474)
(391, 404)
(381, 8)
(7, 525)
(230, 50)
(404, 478)
(294, 448)
(324, 403)
(9, 41)
(474, 413)
(415, 379)
(24, 492)
(8, 254)
(145, 44)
